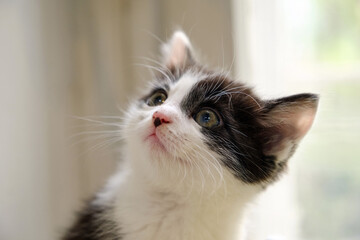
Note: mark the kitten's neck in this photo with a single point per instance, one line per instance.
(146, 213)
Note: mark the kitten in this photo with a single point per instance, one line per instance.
(198, 147)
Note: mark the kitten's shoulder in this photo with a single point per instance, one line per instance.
(94, 222)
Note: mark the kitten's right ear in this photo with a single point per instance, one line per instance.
(177, 53)
(286, 121)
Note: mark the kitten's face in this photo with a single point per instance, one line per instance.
(170, 137)
(199, 129)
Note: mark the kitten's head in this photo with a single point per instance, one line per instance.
(199, 128)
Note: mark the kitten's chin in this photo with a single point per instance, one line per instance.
(160, 151)
(155, 146)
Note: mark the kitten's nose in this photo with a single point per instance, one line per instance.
(160, 118)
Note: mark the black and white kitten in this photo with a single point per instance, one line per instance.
(198, 147)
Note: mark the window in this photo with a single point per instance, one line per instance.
(311, 46)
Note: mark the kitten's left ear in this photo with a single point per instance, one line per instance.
(177, 52)
(286, 121)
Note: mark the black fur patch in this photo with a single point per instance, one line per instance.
(94, 223)
(234, 139)
(237, 137)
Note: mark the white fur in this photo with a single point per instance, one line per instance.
(183, 194)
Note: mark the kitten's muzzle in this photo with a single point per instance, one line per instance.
(160, 118)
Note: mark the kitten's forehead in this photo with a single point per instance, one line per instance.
(181, 88)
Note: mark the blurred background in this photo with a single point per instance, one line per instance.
(64, 61)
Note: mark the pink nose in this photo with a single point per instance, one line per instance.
(160, 118)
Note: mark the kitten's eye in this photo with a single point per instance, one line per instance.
(156, 99)
(207, 118)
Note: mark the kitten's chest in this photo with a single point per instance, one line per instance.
(160, 222)
(174, 221)
(142, 214)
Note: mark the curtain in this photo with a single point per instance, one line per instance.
(63, 61)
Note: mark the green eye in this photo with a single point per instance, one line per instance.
(207, 118)
(156, 99)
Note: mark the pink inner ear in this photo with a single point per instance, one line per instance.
(302, 121)
(290, 125)
(178, 50)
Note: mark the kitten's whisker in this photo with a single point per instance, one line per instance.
(217, 84)
(215, 164)
(218, 168)
(123, 112)
(231, 65)
(192, 175)
(223, 52)
(203, 160)
(106, 117)
(199, 171)
(94, 138)
(156, 69)
(110, 142)
(154, 36)
(160, 65)
(92, 125)
(100, 145)
(93, 132)
(227, 91)
(97, 121)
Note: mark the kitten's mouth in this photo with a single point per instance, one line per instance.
(156, 145)
(155, 142)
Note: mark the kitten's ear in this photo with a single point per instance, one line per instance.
(177, 53)
(286, 122)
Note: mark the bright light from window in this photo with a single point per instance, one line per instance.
(311, 46)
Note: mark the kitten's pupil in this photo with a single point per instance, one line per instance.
(158, 100)
(206, 117)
